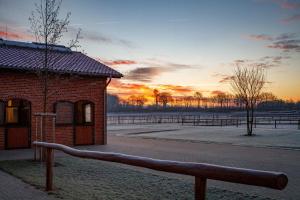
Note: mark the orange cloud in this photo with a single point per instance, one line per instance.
(286, 45)
(125, 90)
(177, 90)
(15, 36)
(259, 37)
(145, 74)
(284, 4)
(226, 79)
(115, 62)
(292, 18)
(121, 62)
(217, 92)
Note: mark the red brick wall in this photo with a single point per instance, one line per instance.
(2, 144)
(29, 86)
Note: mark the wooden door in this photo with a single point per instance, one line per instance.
(17, 137)
(84, 123)
(17, 124)
(84, 135)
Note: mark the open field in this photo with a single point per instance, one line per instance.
(265, 136)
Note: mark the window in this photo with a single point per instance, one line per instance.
(17, 112)
(84, 112)
(12, 114)
(2, 107)
(64, 113)
(87, 113)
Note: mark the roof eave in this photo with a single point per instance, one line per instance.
(10, 68)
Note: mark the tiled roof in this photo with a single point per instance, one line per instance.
(30, 57)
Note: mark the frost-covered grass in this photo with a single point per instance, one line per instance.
(81, 179)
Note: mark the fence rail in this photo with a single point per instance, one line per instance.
(198, 120)
(201, 171)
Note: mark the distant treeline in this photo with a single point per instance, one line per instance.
(194, 104)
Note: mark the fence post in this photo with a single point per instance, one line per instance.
(36, 138)
(41, 139)
(200, 188)
(299, 124)
(49, 170)
(275, 123)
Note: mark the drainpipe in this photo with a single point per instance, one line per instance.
(105, 111)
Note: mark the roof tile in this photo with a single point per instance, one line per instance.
(32, 59)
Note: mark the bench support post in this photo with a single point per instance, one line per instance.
(49, 170)
(200, 188)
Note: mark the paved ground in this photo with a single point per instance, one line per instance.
(12, 188)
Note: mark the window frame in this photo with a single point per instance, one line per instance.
(73, 113)
(20, 122)
(83, 113)
(3, 113)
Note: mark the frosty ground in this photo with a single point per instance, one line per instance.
(270, 149)
(285, 136)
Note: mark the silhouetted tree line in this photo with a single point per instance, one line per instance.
(221, 101)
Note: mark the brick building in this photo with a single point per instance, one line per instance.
(76, 93)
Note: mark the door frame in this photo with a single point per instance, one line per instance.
(12, 125)
(92, 124)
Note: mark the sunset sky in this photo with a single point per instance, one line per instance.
(179, 46)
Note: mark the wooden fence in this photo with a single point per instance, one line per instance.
(201, 171)
(276, 123)
(198, 120)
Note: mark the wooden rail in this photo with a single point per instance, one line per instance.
(201, 171)
(205, 120)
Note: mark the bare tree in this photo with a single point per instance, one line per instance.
(229, 99)
(213, 101)
(165, 98)
(156, 97)
(247, 83)
(267, 96)
(220, 98)
(198, 96)
(238, 102)
(132, 100)
(48, 29)
(141, 100)
(205, 102)
(188, 101)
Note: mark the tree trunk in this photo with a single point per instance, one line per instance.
(45, 82)
(249, 132)
(252, 118)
